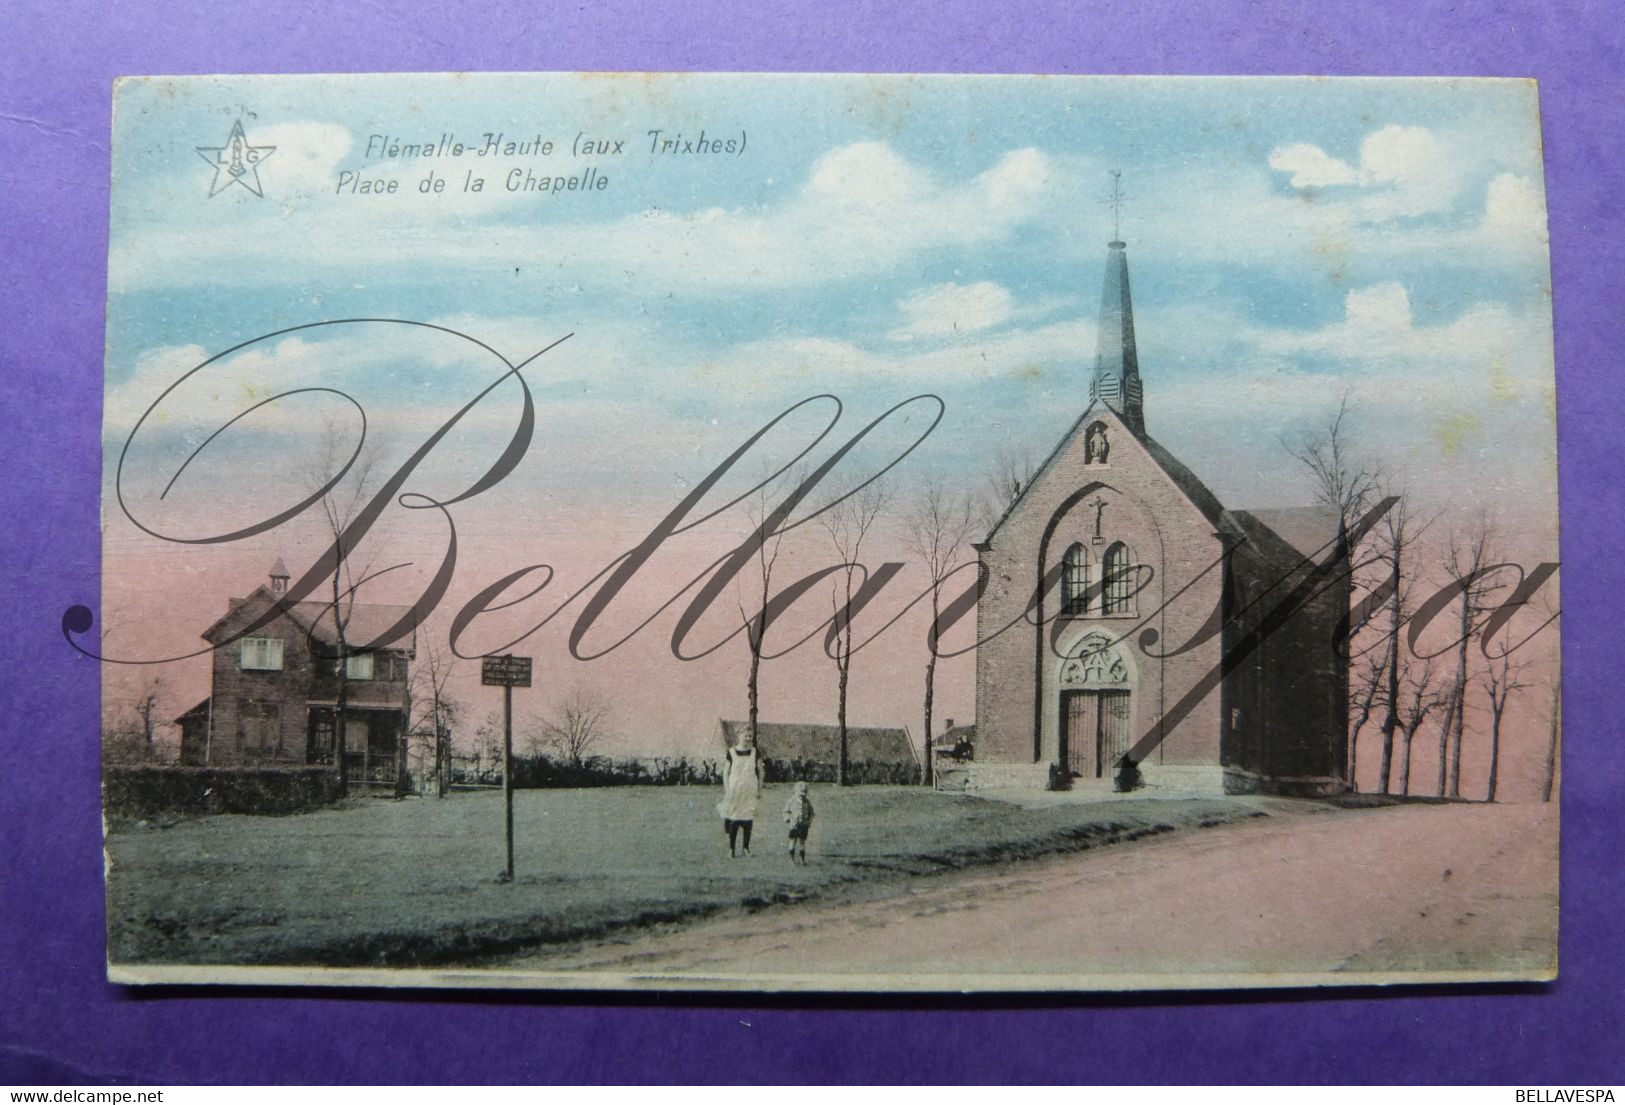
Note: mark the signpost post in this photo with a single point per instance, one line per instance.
(506, 672)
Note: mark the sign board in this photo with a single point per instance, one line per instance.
(505, 671)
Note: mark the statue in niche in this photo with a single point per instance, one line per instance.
(1095, 446)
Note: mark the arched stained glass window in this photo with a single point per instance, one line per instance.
(1075, 580)
(1117, 577)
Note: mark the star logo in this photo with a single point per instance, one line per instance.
(236, 162)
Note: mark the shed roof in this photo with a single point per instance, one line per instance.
(784, 740)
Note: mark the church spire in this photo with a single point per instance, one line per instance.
(1116, 380)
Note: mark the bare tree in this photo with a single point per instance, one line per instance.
(848, 523)
(1341, 480)
(1466, 558)
(1421, 698)
(1397, 534)
(579, 722)
(1344, 482)
(937, 525)
(1008, 474)
(340, 506)
(488, 748)
(1502, 680)
(533, 732)
(147, 713)
(1554, 721)
(130, 736)
(1365, 696)
(758, 584)
(431, 709)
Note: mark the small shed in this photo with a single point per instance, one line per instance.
(805, 752)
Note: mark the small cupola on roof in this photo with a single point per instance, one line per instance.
(279, 577)
(1116, 381)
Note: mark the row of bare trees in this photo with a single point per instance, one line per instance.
(931, 519)
(1395, 683)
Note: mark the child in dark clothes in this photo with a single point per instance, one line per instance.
(798, 815)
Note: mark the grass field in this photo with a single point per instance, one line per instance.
(412, 882)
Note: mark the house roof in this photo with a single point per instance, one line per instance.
(365, 621)
(780, 740)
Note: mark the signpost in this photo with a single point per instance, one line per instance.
(506, 672)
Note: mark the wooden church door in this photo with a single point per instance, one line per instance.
(1094, 731)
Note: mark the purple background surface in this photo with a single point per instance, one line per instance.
(60, 1021)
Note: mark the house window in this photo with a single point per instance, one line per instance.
(259, 654)
(261, 724)
(388, 666)
(1117, 577)
(357, 735)
(359, 665)
(1075, 580)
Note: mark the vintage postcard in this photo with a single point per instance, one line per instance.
(828, 532)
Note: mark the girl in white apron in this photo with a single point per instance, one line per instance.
(741, 791)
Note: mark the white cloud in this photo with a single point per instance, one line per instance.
(1513, 205)
(1433, 401)
(369, 361)
(1382, 306)
(950, 309)
(1402, 172)
(1311, 166)
(1029, 354)
(1480, 349)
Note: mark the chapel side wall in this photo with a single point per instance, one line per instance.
(1289, 698)
(1310, 706)
(1246, 689)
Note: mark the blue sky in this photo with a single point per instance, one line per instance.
(1289, 240)
(895, 217)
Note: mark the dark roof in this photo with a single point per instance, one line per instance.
(1292, 534)
(1311, 530)
(951, 737)
(200, 710)
(364, 623)
(781, 740)
(1192, 488)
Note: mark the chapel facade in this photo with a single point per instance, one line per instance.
(1136, 633)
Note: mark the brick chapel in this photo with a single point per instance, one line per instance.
(1136, 633)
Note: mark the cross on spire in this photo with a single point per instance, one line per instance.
(1116, 380)
(1115, 202)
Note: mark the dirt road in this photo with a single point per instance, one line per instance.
(1447, 890)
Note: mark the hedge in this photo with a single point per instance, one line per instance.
(148, 791)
